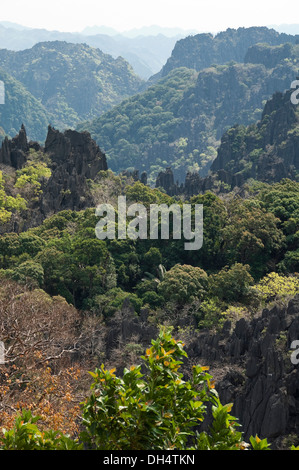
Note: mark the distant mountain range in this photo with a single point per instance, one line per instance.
(202, 50)
(146, 50)
(153, 30)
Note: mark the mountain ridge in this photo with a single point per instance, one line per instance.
(179, 120)
(71, 81)
(203, 50)
(146, 54)
(264, 152)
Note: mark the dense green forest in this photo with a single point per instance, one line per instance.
(244, 238)
(249, 259)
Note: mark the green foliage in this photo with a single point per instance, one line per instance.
(138, 192)
(29, 273)
(215, 219)
(146, 120)
(53, 78)
(222, 434)
(25, 435)
(31, 176)
(252, 235)
(158, 410)
(208, 314)
(153, 406)
(243, 239)
(290, 263)
(22, 107)
(282, 199)
(110, 302)
(232, 284)
(275, 286)
(183, 283)
(152, 259)
(259, 444)
(9, 204)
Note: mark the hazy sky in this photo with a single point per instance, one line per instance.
(201, 15)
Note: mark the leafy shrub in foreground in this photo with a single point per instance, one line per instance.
(25, 435)
(158, 410)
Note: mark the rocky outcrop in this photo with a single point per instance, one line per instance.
(253, 362)
(75, 158)
(165, 180)
(13, 152)
(126, 326)
(267, 151)
(250, 362)
(202, 50)
(77, 149)
(218, 182)
(135, 175)
(268, 55)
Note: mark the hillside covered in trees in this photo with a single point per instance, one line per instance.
(69, 82)
(266, 151)
(203, 50)
(179, 120)
(21, 106)
(147, 50)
